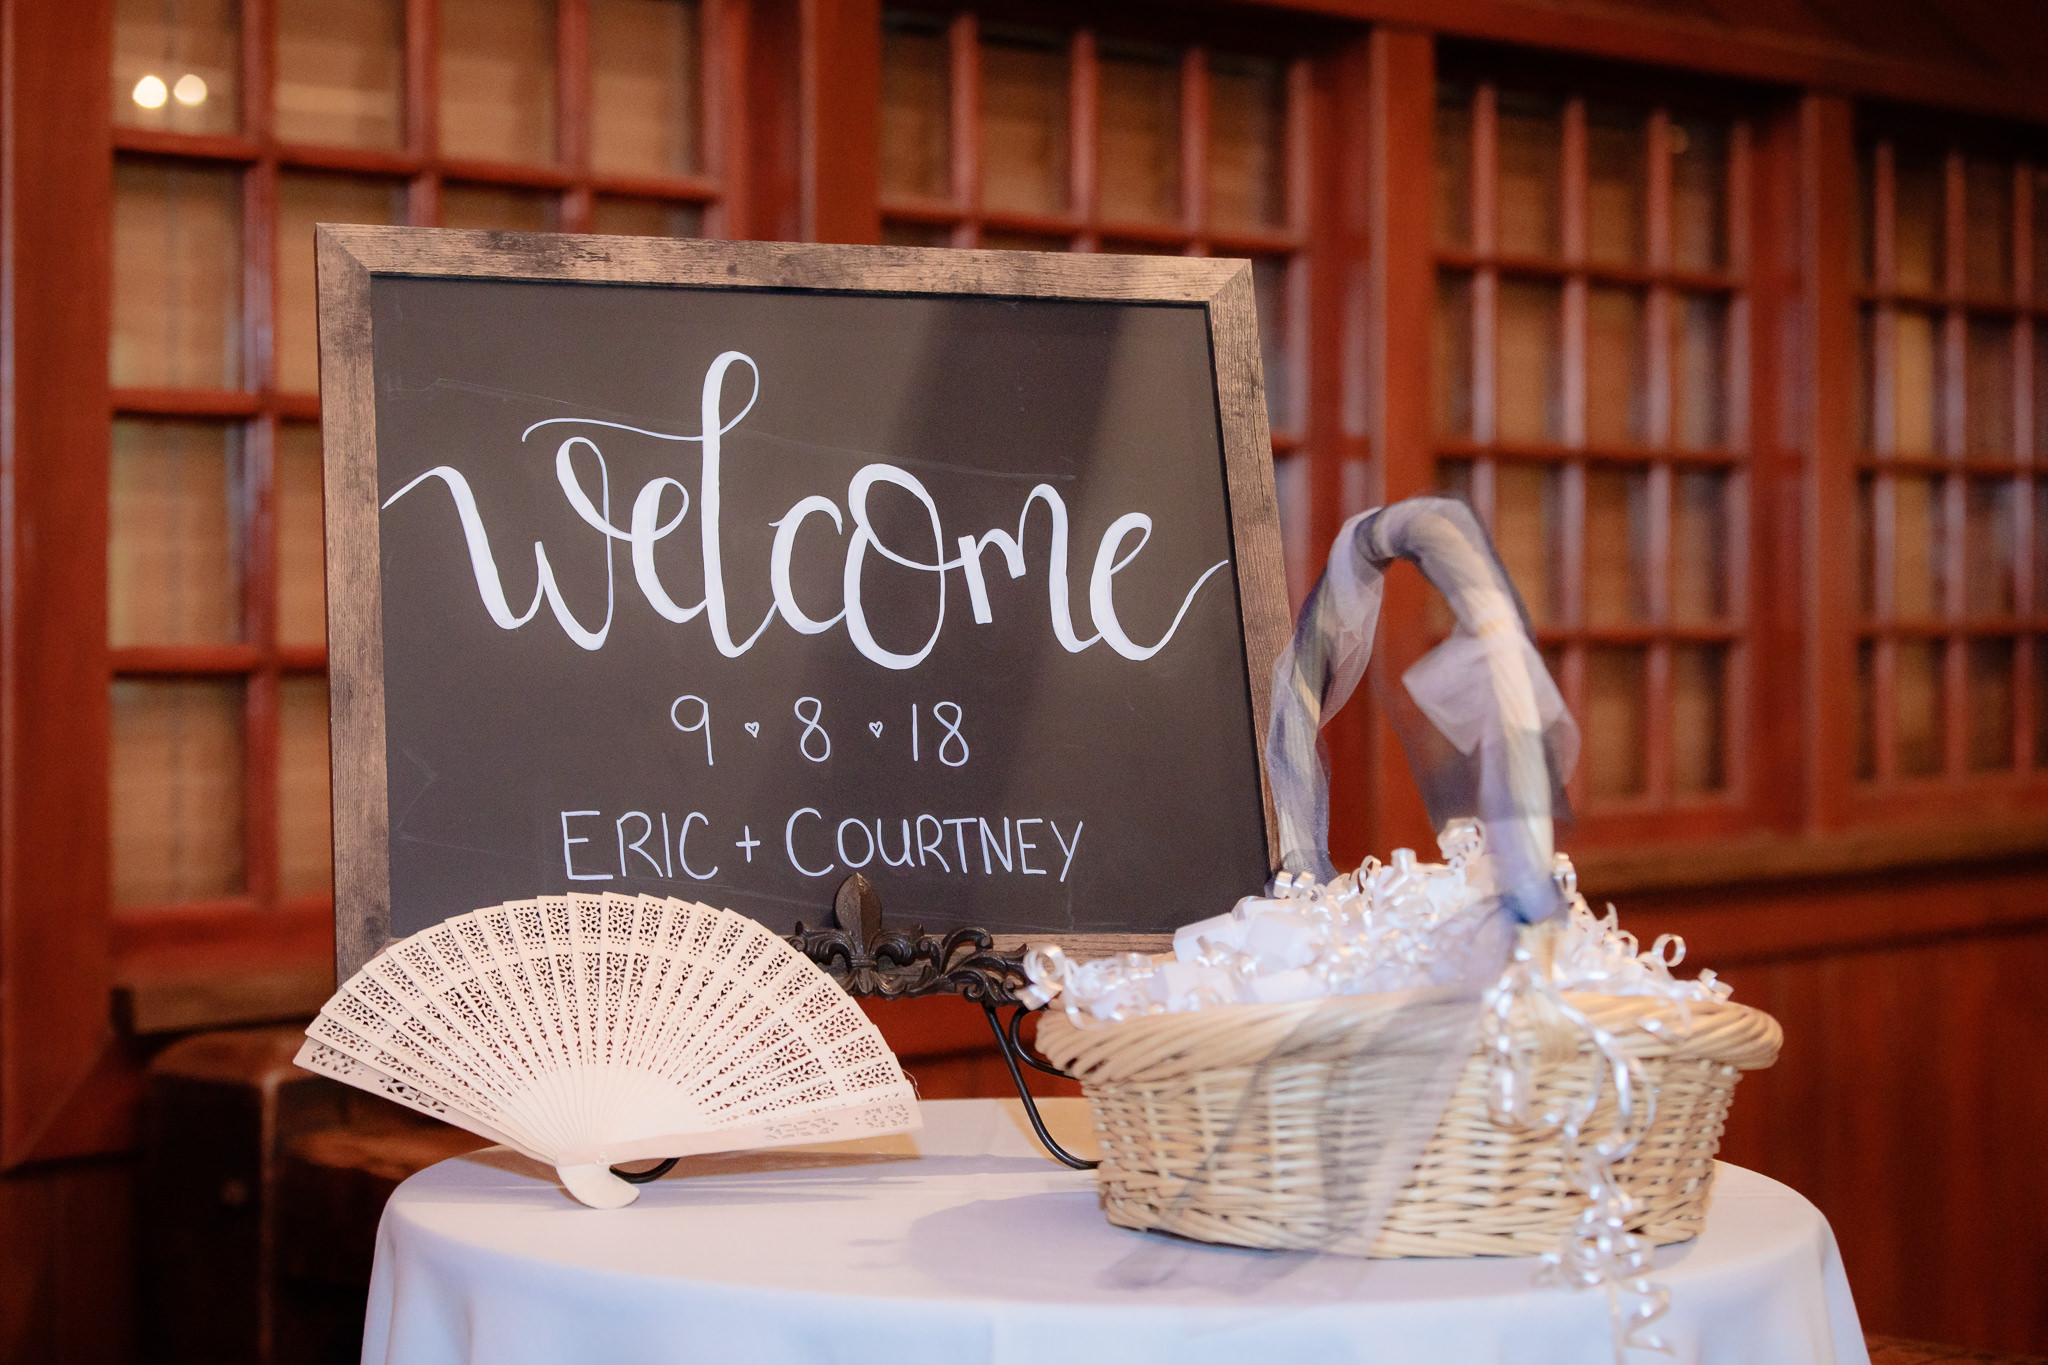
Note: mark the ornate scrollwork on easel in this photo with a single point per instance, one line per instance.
(895, 965)
(898, 965)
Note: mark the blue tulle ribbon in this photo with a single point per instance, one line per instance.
(1486, 691)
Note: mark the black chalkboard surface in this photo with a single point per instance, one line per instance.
(721, 571)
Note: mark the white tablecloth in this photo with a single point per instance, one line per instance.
(964, 1243)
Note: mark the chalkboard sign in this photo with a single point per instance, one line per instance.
(722, 570)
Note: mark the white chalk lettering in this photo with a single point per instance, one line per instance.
(789, 842)
(988, 843)
(568, 862)
(883, 849)
(856, 554)
(703, 722)
(485, 567)
(683, 848)
(1103, 608)
(643, 534)
(970, 565)
(1024, 847)
(647, 528)
(778, 564)
(1005, 843)
(960, 838)
(639, 845)
(1067, 847)
(938, 837)
(846, 857)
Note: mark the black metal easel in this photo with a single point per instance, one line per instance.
(895, 965)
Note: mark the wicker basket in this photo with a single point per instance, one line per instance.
(1165, 1089)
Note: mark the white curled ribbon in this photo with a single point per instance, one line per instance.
(1598, 1250)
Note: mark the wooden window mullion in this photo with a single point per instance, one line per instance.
(1741, 170)
(423, 108)
(723, 121)
(1083, 133)
(1484, 494)
(1571, 683)
(1659, 316)
(257, 528)
(2027, 591)
(1744, 745)
(1485, 307)
(1951, 436)
(1298, 148)
(2023, 228)
(1955, 644)
(1885, 697)
(1657, 550)
(1194, 146)
(1572, 189)
(1884, 559)
(1485, 355)
(1657, 224)
(257, 74)
(1571, 567)
(1486, 279)
(964, 48)
(1954, 339)
(1485, 175)
(1884, 493)
(1745, 737)
(1572, 342)
(259, 260)
(1739, 425)
(1657, 724)
(1951, 490)
(1657, 590)
(1955, 223)
(1572, 232)
(260, 774)
(572, 119)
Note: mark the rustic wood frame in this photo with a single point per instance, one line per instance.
(350, 257)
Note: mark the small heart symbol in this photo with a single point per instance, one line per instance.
(875, 728)
(754, 728)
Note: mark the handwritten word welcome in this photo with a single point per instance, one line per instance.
(645, 529)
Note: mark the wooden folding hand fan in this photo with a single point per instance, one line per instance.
(586, 1030)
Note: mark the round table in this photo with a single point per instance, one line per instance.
(965, 1243)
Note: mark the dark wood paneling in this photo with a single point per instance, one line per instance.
(1776, 767)
(842, 80)
(66, 1264)
(1342, 385)
(1401, 121)
(770, 146)
(1909, 1103)
(53, 566)
(948, 1050)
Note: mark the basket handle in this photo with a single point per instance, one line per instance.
(1486, 688)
